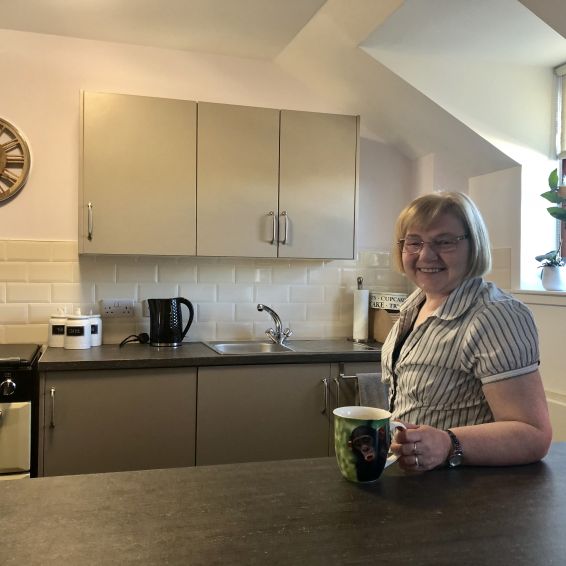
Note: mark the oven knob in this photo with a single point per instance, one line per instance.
(7, 387)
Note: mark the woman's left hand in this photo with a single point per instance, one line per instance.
(421, 447)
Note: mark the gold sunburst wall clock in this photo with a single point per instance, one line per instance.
(15, 161)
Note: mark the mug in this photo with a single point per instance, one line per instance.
(362, 436)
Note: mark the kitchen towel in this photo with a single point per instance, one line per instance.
(361, 315)
(372, 391)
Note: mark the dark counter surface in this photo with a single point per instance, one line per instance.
(289, 512)
(198, 354)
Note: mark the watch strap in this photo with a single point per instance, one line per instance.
(457, 454)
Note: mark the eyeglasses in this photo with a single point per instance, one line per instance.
(442, 245)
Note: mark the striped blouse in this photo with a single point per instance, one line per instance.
(479, 335)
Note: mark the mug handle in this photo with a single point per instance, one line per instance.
(392, 458)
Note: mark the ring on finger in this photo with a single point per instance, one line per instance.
(416, 461)
(415, 448)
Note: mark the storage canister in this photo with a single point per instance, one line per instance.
(77, 332)
(95, 330)
(56, 336)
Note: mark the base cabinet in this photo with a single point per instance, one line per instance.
(265, 412)
(116, 420)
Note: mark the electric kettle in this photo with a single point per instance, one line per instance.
(166, 322)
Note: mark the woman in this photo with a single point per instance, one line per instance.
(462, 361)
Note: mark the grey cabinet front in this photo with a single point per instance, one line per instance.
(266, 412)
(115, 420)
(138, 175)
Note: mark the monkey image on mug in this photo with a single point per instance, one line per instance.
(361, 440)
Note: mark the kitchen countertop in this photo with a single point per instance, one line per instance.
(289, 512)
(196, 354)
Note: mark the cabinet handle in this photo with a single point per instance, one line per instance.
(286, 226)
(274, 238)
(324, 395)
(52, 395)
(337, 383)
(90, 221)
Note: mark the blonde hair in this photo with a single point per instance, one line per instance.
(423, 211)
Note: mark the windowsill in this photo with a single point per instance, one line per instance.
(536, 297)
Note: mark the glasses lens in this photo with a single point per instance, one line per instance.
(445, 245)
(412, 246)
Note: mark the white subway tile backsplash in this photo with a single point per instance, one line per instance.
(157, 291)
(253, 274)
(28, 250)
(324, 312)
(235, 330)
(235, 293)
(13, 271)
(97, 268)
(59, 272)
(13, 314)
(307, 294)
(201, 332)
(176, 270)
(28, 292)
(215, 312)
(289, 274)
(271, 293)
(115, 291)
(324, 276)
(312, 297)
(65, 251)
(198, 293)
(213, 272)
(72, 292)
(25, 333)
(136, 270)
(41, 312)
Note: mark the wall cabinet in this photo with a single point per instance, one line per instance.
(249, 182)
(266, 412)
(115, 420)
(138, 175)
(276, 184)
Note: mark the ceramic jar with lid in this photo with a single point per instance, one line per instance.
(95, 330)
(77, 332)
(57, 324)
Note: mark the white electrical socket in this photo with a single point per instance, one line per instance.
(117, 308)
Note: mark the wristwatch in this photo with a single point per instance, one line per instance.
(456, 457)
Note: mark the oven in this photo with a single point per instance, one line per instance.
(19, 396)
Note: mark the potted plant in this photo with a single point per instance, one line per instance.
(552, 263)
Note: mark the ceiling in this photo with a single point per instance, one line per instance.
(240, 28)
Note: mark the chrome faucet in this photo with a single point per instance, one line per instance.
(278, 336)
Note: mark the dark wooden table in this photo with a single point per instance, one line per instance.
(294, 512)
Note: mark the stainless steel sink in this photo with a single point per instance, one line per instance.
(248, 347)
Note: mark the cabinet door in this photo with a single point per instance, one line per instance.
(238, 154)
(318, 179)
(115, 420)
(139, 175)
(268, 412)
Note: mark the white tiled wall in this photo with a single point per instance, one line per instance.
(313, 298)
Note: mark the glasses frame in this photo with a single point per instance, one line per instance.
(433, 244)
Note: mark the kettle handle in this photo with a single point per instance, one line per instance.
(191, 314)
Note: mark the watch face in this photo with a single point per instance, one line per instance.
(14, 160)
(455, 460)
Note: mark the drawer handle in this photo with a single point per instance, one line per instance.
(52, 395)
(324, 396)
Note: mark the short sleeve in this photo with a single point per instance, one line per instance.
(501, 341)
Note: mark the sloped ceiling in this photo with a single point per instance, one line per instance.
(315, 41)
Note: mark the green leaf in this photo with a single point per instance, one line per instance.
(557, 212)
(553, 180)
(552, 196)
